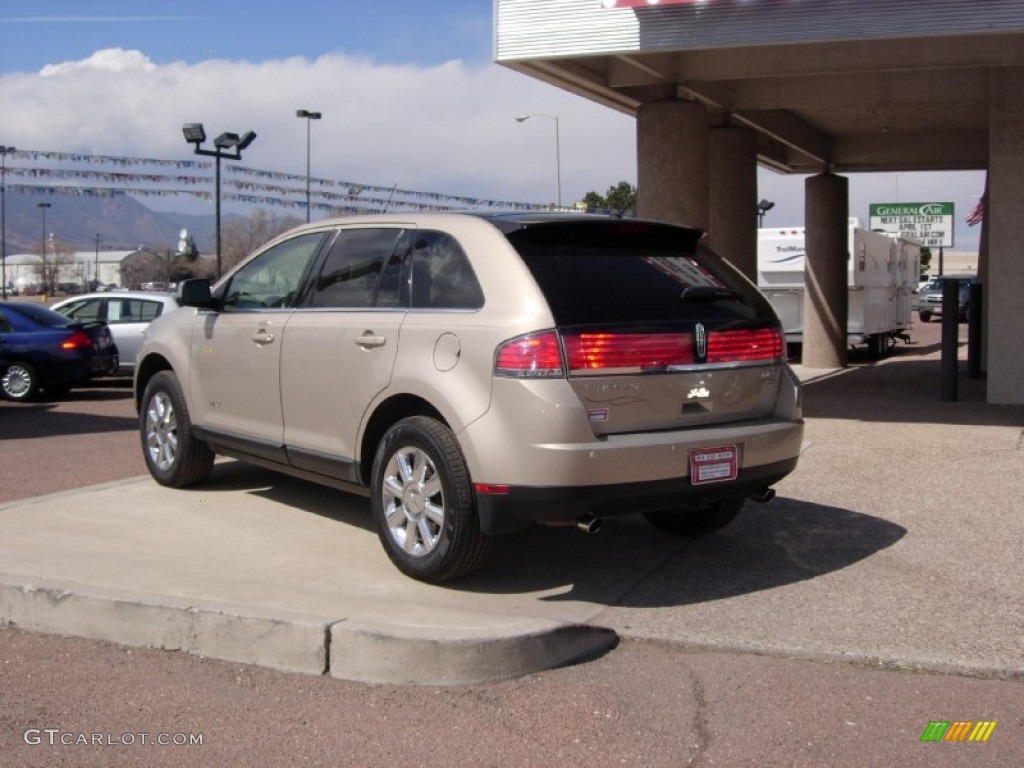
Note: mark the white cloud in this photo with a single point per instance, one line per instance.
(107, 60)
(449, 128)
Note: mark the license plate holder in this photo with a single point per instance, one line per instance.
(717, 464)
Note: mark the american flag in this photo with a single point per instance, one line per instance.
(640, 3)
(977, 213)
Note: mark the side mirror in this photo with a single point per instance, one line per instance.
(196, 293)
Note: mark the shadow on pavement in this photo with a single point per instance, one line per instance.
(31, 420)
(765, 547)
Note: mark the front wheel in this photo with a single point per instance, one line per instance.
(19, 382)
(173, 454)
(422, 502)
(696, 521)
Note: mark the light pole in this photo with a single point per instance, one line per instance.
(310, 117)
(96, 275)
(3, 218)
(762, 208)
(42, 207)
(195, 134)
(558, 151)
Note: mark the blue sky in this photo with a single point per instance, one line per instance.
(42, 32)
(408, 91)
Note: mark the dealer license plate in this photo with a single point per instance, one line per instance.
(713, 465)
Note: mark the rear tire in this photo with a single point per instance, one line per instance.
(174, 456)
(422, 502)
(925, 316)
(19, 382)
(690, 521)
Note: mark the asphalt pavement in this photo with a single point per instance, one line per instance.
(896, 544)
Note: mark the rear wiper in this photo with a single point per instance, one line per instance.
(710, 293)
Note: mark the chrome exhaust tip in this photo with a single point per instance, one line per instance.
(588, 523)
(764, 496)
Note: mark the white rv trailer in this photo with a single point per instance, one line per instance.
(882, 274)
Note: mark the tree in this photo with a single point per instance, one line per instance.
(926, 260)
(240, 237)
(620, 199)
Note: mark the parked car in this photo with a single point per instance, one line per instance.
(42, 349)
(127, 313)
(474, 375)
(929, 299)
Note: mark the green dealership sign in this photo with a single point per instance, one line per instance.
(931, 223)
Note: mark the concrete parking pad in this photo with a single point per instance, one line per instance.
(895, 543)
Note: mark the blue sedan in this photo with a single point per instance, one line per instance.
(41, 349)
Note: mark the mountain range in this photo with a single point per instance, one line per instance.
(121, 222)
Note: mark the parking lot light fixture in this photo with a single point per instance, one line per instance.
(3, 219)
(42, 207)
(195, 134)
(310, 117)
(558, 151)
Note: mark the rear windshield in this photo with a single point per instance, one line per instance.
(43, 316)
(634, 272)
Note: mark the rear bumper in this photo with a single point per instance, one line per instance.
(522, 506)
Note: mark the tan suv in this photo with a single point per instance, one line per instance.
(476, 374)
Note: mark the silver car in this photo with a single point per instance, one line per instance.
(128, 313)
(474, 375)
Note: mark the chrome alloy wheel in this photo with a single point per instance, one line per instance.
(161, 431)
(17, 381)
(413, 501)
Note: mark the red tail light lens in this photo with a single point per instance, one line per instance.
(77, 340)
(744, 346)
(622, 352)
(536, 355)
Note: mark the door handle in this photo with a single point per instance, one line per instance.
(369, 340)
(262, 337)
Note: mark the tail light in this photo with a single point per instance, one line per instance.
(539, 355)
(77, 340)
(744, 346)
(627, 352)
(533, 356)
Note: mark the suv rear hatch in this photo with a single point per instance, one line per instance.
(657, 332)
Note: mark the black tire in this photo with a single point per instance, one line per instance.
(696, 521)
(422, 501)
(925, 316)
(173, 455)
(19, 382)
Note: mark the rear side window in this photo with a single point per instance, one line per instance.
(354, 266)
(133, 310)
(441, 275)
(634, 272)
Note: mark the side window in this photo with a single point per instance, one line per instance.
(5, 326)
(85, 310)
(272, 278)
(353, 267)
(441, 275)
(133, 310)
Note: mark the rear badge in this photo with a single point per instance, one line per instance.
(698, 392)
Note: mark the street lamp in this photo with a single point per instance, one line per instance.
(195, 134)
(762, 208)
(42, 207)
(558, 151)
(310, 116)
(3, 218)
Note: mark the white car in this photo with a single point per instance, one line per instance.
(127, 313)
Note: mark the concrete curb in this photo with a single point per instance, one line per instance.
(388, 653)
(362, 651)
